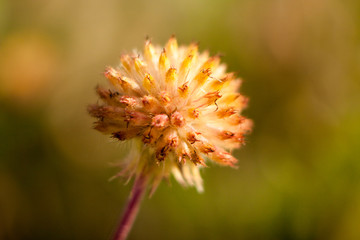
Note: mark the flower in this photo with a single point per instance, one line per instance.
(178, 106)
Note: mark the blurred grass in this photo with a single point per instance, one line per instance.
(299, 173)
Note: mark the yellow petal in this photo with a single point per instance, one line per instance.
(164, 63)
(171, 75)
(149, 51)
(148, 82)
(172, 46)
(126, 62)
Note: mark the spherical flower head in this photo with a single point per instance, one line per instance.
(178, 106)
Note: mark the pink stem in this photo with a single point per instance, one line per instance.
(131, 209)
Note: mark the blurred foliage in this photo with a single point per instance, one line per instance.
(299, 175)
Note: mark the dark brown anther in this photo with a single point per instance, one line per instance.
(120, 135)
(226, 135)
(147, 137)
(197, 159)
(191, 137)
(161, 154)
(207, 148)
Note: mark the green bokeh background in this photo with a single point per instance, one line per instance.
(298, 176)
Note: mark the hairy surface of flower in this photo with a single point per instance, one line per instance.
(178, 105)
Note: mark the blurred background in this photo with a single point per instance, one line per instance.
(298, 176)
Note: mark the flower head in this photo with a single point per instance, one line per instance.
(178, 105)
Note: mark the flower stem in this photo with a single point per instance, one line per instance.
(131, 209)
